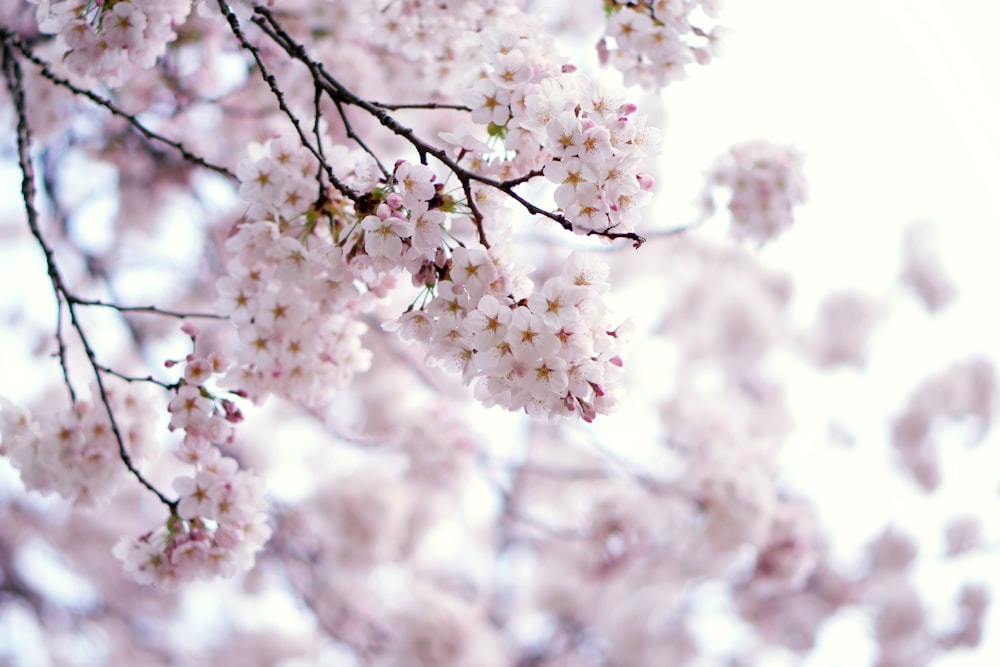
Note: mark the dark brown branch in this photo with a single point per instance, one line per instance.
(15, 83)
(266, 20)
(272, 83)
(152, 310)
(512, 182)
(351, 134)
(131, 378)
(61, 350)
(425, 105)
(317, 115)
(13, 584)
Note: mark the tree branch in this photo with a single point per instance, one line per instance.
(425, 105)
(15, 83)
(272, 83)
(153, 310)
(266, 20)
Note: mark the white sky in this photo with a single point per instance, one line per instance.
(896, 105)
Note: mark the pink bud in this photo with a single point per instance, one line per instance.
(603, 53)
(191, 329)
(645, 181)
(233, 414)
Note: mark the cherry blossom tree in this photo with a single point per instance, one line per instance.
(333, 362)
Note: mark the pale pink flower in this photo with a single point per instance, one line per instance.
(490, 103)
(123, 26)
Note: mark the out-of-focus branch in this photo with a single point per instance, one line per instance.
(303, 572)
(12, 40)
(13, 584)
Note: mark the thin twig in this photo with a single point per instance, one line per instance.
(674, 231)
(351, 134)
(317, 115)
(152, 310)
(131, 378)
(61, 350)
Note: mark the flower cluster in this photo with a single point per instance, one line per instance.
(296, 288)
(966, 393)
(411, 30)
(293, 307)
(291, 289)
(765, 182)
(219, 521)
(435, 628)
(219, 526)
(652, 41)
(730, 467)
(539, 114)
(584, 137)
(102, 39)
(840, 336)
(75, 453)
(554, 353)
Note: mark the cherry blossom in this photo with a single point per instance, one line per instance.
(362, 313)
